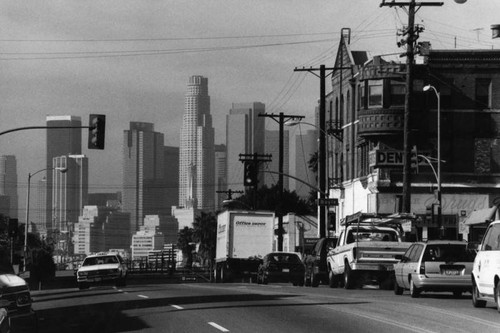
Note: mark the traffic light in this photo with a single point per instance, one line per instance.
(13, 228)
(250, 173)
(414, 159)
(97, 127)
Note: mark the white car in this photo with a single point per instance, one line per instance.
(102, 268)
(486, 269)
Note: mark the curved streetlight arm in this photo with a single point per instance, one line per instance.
(299, 180)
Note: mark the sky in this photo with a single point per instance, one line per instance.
(131, 60)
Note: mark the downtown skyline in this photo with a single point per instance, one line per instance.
(250, 55)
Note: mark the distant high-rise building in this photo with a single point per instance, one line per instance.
(38, 209)
(196, 154)
(171, 177)
(143, 173)
(272, 148)
(245, 134)
(69, 190)
(8, 183)
(63, 141)
(306, 145)
(220, 174)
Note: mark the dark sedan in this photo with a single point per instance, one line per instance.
(281, 267)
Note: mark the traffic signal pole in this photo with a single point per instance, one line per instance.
(280, 119)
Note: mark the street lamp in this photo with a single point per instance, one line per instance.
(322, 166)
(438, 95)
(60, 169)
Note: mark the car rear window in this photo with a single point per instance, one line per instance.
(364, 235)
(285, 258)
(448, 253)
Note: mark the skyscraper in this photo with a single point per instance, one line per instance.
(171, 176)
(143, 173)
(8, 182)
(245, 134)
(196, 154)
(69, 190)
(60, 142)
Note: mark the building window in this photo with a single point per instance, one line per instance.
(398, 91)
(375, 93)
(483, 93)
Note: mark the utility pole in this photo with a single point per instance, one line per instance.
(322, 144)
(280, 119)
(410, 60)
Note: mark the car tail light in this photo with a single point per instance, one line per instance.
(422, 269)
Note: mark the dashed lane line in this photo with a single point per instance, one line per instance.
(217, 326)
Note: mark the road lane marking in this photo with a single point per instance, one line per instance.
(143, 296)
(177, 307)
(220, 328)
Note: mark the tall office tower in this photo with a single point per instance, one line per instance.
(69, 190)
(196, 155)
(306, 145)
(171, 176)
(8, 183)
(60, 142)
(273, 148)
(38, 209)
(220, 175)
(143, 173)
(245, 134)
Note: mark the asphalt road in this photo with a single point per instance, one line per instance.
(241, 307)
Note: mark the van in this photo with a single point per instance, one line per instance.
(486, 269)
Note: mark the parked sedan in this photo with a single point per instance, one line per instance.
(281, 267)
(439, 265)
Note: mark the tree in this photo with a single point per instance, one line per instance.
(269, 198)
(205, 233)
(184, 242)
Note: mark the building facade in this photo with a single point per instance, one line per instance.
(143, 173)
(367, 107)
(171, 177)
(8, 183)
(273, 149)
(60, 141)
(196, 154)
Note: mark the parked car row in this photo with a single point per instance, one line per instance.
(431, 266)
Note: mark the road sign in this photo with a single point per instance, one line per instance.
(327, 202)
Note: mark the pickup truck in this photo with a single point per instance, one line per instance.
(367, 248)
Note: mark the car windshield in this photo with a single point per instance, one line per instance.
(100, 260)
(448, 253)
(371, 236)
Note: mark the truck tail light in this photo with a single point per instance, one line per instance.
(354, 253)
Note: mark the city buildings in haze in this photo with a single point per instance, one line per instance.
(143, 173)
(60, 141)
(272, 148)
(8, 184)
(245, 134)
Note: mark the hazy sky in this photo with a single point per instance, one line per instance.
(131, 61)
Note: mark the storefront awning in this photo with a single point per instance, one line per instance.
(481, 216)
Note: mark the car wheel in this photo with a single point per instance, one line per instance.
(83, 285)
(414, 291)
(314, 280)
(349, 278)
(457, 294)
(476, 302)
(121, 282)
(397, 289)
(333, 281)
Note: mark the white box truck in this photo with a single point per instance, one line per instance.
(243, 239)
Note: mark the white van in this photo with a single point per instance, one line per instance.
(486, 269)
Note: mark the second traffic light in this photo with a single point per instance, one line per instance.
(414, 159)
(97, 128)
(250, 174)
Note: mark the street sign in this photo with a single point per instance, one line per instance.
(327, 202)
